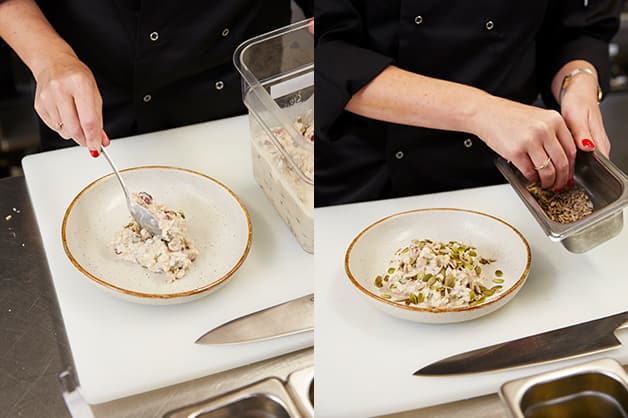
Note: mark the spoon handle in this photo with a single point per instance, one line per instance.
(117, 173)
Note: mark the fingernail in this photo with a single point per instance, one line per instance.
(94, 153)
(557, 190)
(587, 143)
(570, 183)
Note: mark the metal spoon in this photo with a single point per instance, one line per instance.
(142, 216)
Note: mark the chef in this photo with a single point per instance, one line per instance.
(421, 96)
(129, 66)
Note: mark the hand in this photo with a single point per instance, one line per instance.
(582, 114)
(68, 101)
(527, 136)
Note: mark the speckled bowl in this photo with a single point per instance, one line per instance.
(370, 251)
(218, 224)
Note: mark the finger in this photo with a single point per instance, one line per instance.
(598, 132)
(568, 144)
(89, 109)
(559, 162)
(105, 139)
(579, 127)
(71, 124)
(47, 111)
(538, 157)
(526, 168)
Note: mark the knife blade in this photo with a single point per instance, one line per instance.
(559, 344)
(292, 317)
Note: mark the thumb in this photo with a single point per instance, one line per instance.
(582, 135)
(105, 139)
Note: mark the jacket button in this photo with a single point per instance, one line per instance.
(490, 25)
(468, 142)
(147, 98)
(225, 32)
(418, 20)
(399, 155)
(153, 36)
(219, 85)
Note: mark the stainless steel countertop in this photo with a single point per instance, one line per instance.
(33, 345)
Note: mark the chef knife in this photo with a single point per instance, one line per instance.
(287, 318)
(572, 341)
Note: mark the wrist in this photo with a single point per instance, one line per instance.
(580, 90)
(482, 110)
(580, 81)
(42, 61)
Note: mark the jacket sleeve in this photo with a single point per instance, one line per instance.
(343, 62)
(576, 30)
(307, 6)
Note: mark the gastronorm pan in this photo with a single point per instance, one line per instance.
(606, 185)
(597, 389)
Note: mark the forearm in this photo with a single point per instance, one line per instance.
(38, 45)
(403, 97)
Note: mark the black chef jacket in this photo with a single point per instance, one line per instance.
(162, 64)
(510, 49)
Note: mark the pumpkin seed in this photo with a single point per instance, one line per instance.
(499, 273)
(378, 281)
(450, 281)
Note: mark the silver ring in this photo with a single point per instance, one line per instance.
(545, 164)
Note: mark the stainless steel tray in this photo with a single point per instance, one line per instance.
(267, 398)
(607, 186)
(597, 389)
(216, 389)
(301, 387)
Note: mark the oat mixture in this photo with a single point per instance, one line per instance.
(290, 193)
(172, 253)
(437, 275)
(566, 206)
(302, 156)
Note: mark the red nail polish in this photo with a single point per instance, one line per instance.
(94, 153)
(557, 190)
(570, 183)
(587, 143)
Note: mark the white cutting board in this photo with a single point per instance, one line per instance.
(120, 348)
(365, 358)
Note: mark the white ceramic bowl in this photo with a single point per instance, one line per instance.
(218, 223)
(369, 253)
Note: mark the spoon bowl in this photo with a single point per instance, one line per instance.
(142, 216)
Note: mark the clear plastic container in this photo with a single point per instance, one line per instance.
(277, 71)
